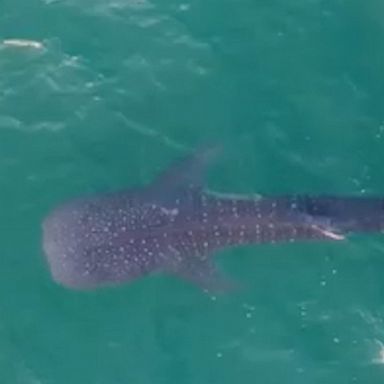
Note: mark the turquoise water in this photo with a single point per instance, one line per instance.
(292, 89)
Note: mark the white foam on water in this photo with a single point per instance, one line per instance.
(22, 43)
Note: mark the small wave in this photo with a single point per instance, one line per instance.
(22, 43)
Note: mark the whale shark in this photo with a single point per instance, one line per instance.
(174, 225)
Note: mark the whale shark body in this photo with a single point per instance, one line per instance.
(174, 226)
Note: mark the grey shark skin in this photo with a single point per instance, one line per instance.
(174, 226)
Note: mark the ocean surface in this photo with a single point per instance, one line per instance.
(99, 95)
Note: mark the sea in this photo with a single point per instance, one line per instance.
(102, 95)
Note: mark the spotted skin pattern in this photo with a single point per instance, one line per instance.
(175, 226)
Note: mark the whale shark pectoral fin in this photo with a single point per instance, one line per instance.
(206, 275)
(200, 271)
(183, 176)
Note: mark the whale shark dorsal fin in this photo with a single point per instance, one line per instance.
(183, 176)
